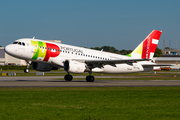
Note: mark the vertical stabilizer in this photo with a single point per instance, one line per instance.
(146, 49)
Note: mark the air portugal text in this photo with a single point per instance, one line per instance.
(44, 50)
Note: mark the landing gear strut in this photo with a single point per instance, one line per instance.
(90, 78)
(68, 77)
(26, 70)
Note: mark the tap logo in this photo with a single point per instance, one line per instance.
(44, 51)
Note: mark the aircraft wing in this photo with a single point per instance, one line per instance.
(100, 63)
(118, 61)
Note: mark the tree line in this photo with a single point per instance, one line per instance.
(112, 50)
(158, 52)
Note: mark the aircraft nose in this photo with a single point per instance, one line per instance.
(7, 49)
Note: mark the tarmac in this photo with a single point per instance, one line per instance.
(51, 81)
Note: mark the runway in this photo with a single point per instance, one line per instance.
(49, 81)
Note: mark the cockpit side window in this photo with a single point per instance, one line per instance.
(15, 42)
(19, 43)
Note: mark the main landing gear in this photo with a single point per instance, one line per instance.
(26, 70)
(68, 77)
(89, 78)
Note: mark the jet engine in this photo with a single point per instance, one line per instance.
(43, 67)
(74, 67)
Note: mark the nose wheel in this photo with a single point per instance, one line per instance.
(26, 70)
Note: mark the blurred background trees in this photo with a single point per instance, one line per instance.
(158, 52)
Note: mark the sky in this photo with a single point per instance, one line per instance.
(122, 24)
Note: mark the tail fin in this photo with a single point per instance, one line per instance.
(146, 49)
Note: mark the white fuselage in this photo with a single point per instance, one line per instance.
(56, 53)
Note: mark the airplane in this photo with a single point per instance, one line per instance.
(46, 56)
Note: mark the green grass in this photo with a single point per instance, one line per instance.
(92, 103)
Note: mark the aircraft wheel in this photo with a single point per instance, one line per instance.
(90, 78)
(26, 70)
(68, 77)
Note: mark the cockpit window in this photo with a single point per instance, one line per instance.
(15, 42)
(19, 43)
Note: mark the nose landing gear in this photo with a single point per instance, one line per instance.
(26, 70)
(28, 63)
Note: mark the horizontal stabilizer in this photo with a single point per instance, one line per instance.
(157, 65)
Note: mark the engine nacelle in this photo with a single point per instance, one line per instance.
(43, 67)
(74, 67)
